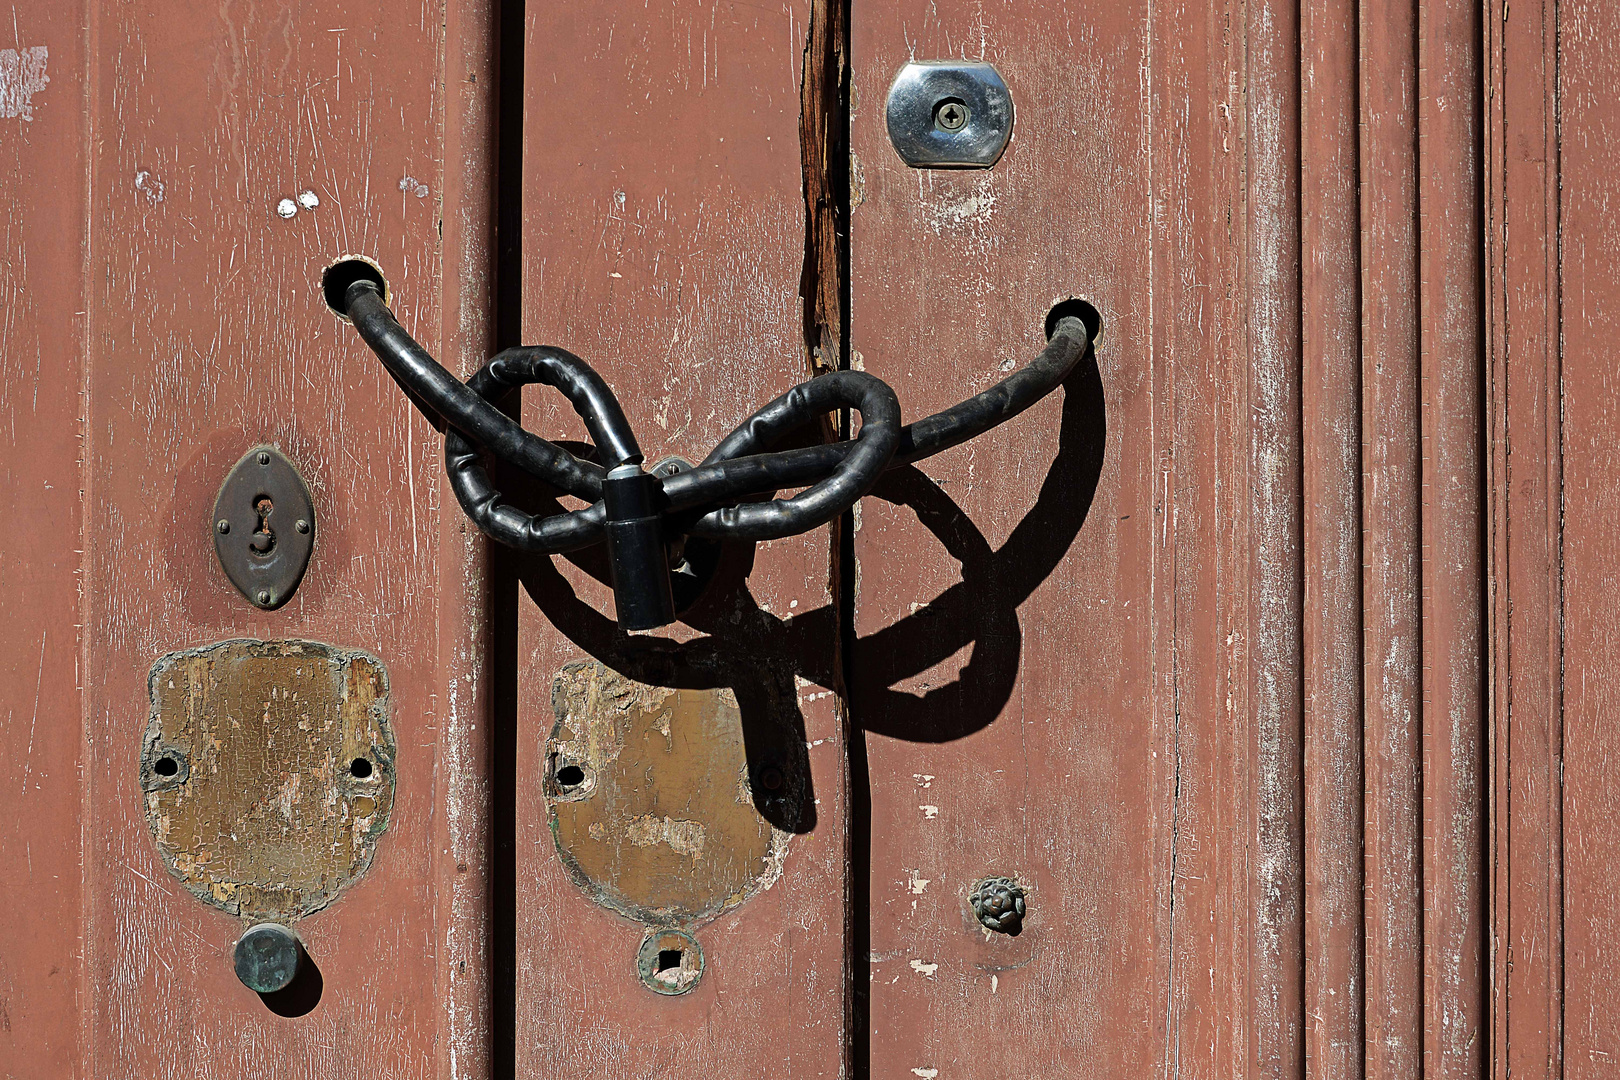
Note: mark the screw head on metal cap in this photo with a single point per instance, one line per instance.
(267, 958)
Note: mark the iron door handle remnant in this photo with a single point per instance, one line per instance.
(642, 516)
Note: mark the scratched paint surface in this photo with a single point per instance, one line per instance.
(1056, 622)
(42, 212)
(664, 235)
(237, 149)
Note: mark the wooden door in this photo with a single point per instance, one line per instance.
(1266, 658)
(176, 177)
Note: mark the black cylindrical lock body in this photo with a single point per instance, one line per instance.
(642, 597)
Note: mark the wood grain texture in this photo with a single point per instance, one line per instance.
(664, 241)
(1526, 469)
(42, 211)
(1330, 239)
(1450, 120)
(1088, 676)
(1588, 156)
(207, 333)
(1391, 505)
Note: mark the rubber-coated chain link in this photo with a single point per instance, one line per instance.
(639, 514)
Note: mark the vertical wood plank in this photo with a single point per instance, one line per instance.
(1390, 548)
(664, 241)
(42, 171)
(207, 333)
(1099, 695)
(1450, 123)
(1588, 157)
(1330, 239)
(470, 78)
(1525, 647)
(1272, 292)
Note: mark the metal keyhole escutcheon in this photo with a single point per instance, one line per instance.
(264, 527)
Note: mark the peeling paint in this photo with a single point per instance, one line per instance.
(22, 75)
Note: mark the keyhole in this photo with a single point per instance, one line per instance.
(264, 537)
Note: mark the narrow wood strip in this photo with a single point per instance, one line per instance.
(43, 151)
(1525, 650)
(1454, 776)
(466, 764)
(1272, 267)
(1588, 162)
(1331, 404)
(1390, 546)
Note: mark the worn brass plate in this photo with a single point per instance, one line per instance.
(652, 794)
(268, 772)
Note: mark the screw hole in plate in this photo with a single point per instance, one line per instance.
(570, 776)
(360, 768)
(166, 766)
(670, 962)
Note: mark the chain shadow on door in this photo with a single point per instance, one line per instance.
(757, 655)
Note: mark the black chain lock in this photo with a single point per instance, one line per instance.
(645, 517)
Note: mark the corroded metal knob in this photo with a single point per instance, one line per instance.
(999, 904)
(267, 958)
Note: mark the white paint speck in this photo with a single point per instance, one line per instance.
(148, 185)
(925, 970)
(308, 200)
(926, 1074)
(917, 884)
(929, 812)
(411, 186)
(923, 779)
(995, 981)
(22, 75)
(286, 208)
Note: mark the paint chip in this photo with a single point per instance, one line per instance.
(150, 186)
(22, 75)
(286, 208)
(929, 812)
(926, 1074)
(308, 200)
(925, 970)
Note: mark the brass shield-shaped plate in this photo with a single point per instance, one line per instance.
(268, 772)
(661, 810)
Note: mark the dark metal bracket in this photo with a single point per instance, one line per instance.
(264, 527)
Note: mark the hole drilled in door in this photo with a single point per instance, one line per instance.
(336, 279)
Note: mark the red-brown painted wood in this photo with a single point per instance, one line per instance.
(1525, 520)
(1391, 500)
(1588, 150)
(183, 325)
(664, 238)
(1099, 694)
(1330, 237)
(1455, 774)
(42, 886)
